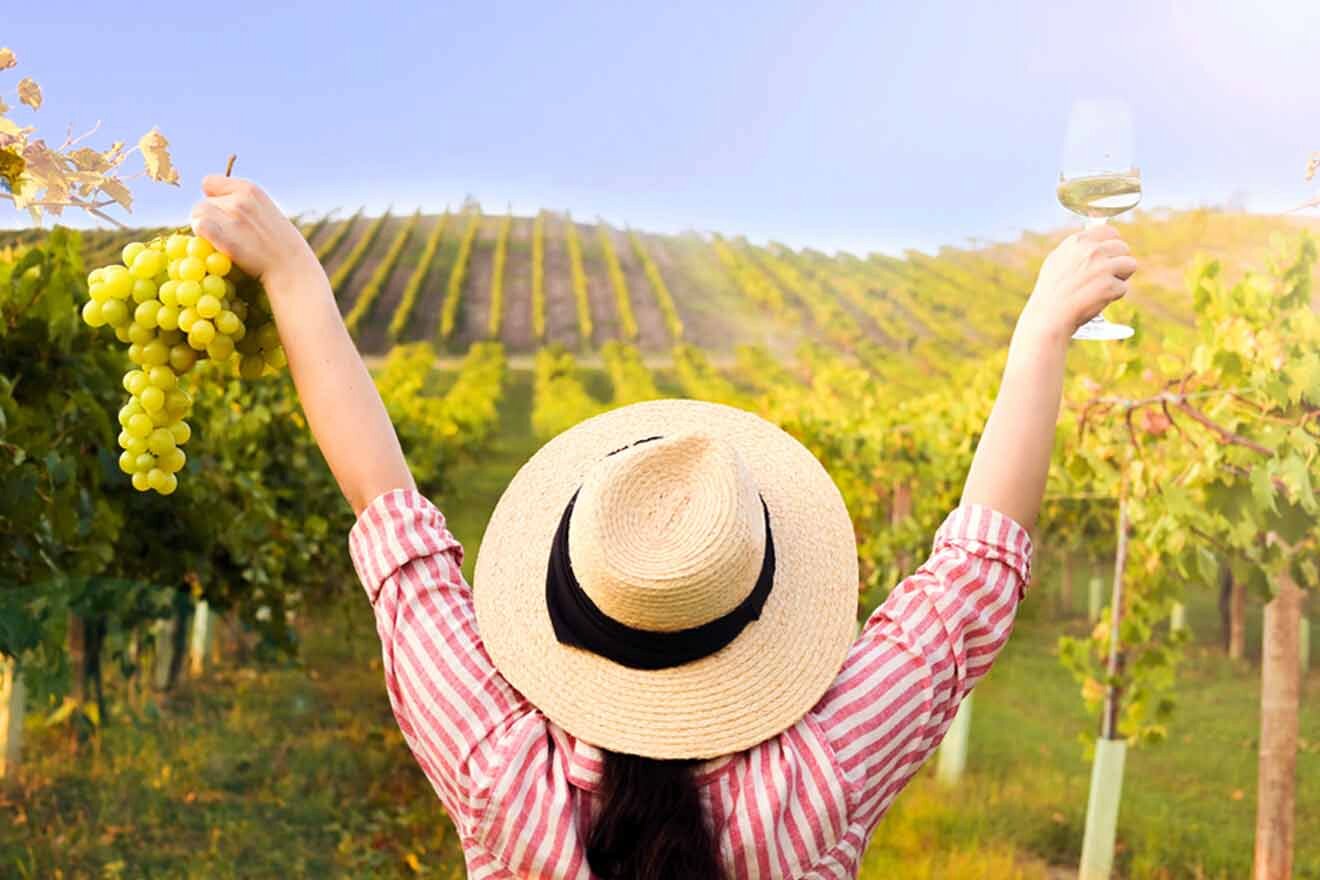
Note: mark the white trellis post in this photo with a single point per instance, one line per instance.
(953, 749)
(200, 644)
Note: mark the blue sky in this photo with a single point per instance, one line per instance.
(864, 126)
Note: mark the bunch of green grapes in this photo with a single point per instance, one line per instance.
(175, 302)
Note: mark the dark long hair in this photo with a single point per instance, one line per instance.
(651, 825)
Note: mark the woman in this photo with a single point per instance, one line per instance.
(655, 673)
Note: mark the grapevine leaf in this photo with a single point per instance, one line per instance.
(4, 108)
(115, 189)
(7, 59)
(1262, 489)
(1297, 477)
(156, 153)
(11, 166)
(29, 92)
(88, 159)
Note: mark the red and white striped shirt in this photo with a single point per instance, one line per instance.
(803, 804)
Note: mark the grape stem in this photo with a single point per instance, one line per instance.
(229, 170)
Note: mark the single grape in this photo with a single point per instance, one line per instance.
(135, 353)
(162, 377)
(200, 248)
(145, 313)
(99, 292)
(214, 285)
(182, 357)
(268, 336)
(146, 264)
(248, 344)
(140, 481)
(135, 381)
(275, 358)
(155, 353)
(124, 439)
(143, 290)
(181, 432)
(161, 440)
(201, 334)
(167, 293)
(95, 276)
(227, 323)
(171, 337)
(172, 460)
(192, 269)
(115, 313)
(188, 293)
(177, 403)
(152, 399)
(128, 410)
(176, 246)
(221, 348)
(131, 251)
(127, 462)
(167, 318)
(252, 366)
(187, 318)
(167, 484)
(208, 306)
(218, 264)
(121, 332)
(144, 462)
(91, 313)
(139, 334)
(172, 271)
(238, 307)
(139, 425)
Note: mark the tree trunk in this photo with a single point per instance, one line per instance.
(1237, 620)
(1065, 586)
(12, 696)
(1225, 601)
(901, 510)
(1280, 695)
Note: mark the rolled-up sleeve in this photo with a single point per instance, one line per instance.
(922, 651)
(449, 700)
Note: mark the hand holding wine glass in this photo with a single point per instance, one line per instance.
(1098, 179)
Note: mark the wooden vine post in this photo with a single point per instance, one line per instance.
(1280, 698)
(12, 702)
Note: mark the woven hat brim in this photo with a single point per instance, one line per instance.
(761, 684)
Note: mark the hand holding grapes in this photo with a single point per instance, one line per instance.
(175, 301)
(1083, 274)
(243, 222)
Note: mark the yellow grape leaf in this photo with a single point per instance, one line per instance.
(88, 159)
(7, 59)
(4, 108)
(29, 92)
(413, 862)
(115, 189)
(156, 152)
(11, 166)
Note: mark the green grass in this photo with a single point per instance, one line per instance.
(299, 770)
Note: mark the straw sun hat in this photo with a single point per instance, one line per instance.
(672, 579)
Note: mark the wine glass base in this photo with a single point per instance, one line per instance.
(1102, 330)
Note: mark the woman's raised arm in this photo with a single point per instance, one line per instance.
(343, 408)
(1079, 278)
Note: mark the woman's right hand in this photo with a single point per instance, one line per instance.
(246, 225)
(1086, 272)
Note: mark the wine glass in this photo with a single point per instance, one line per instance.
(1098, 179)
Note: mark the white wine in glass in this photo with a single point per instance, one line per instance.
(1099, 180)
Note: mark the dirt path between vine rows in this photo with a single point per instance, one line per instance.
(561, 323)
